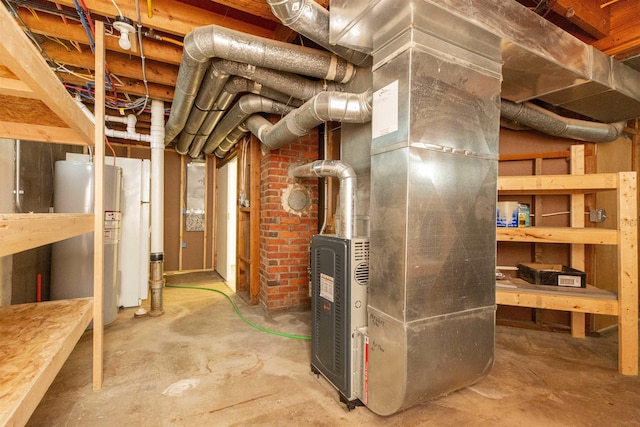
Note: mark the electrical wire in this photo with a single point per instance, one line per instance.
(85, 25)
(144, 67)
(60, 42)
(117, 8)
(28, 32)
(241, 316)
(106, 140)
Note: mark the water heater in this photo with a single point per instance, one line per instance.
(72, 259)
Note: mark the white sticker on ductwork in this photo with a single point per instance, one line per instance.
(326, 287)
(385, 110)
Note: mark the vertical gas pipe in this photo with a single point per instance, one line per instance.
(156, 282)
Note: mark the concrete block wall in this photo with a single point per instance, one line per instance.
(285, 237)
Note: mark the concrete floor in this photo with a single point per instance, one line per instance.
(200, 365)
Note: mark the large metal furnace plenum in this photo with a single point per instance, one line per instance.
(72, 259)
(433, 187)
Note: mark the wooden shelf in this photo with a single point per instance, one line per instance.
(624, 305)
(591, 236)
(45, 333)
(19, 232)
(585, 300)
(36, 339)
(557, 184)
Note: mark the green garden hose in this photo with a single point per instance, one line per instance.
(247, 321)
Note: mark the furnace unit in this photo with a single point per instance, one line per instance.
(340, 277)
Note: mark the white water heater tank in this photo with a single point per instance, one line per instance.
(72, 259)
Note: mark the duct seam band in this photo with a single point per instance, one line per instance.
(333, 68)
(445, 316)
(453, 150)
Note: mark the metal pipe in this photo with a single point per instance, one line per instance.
(325, 153)
(308, 18)
(156, 259)
(212, 41)
(212, 100)
(289, 83)
(326, 106)
(211, 87)
(17, 191)
(246, 106)
(538, 118)
(233, 86)
(346, 224)
(231, 140)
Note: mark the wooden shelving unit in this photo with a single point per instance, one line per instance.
(623, 304)
(36, 339)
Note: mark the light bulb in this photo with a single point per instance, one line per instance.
(125, 26)
(124, 41)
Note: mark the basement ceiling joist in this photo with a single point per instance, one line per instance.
(612, 29)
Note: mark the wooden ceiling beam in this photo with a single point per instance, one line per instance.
(131, 87)
(172, 17)
(624, 38)
(51, 26)
(586, 14)
(119, 64)
(261, 9)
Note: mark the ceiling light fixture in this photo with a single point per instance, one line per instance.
(125, 26)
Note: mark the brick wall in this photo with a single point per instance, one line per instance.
(285, 237)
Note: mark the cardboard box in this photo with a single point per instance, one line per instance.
(552, 274)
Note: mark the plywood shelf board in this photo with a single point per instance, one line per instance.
(592, 236)
(36, 340)
(557, 184)
(19, 232)
(556, 301)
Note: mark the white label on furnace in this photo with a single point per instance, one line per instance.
(326, 287)
(385, 110)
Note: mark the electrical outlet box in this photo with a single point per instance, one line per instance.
(597, 215)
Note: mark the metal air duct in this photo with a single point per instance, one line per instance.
(208, 93)
(233, 86)
(538, 118)
(308, 18)
(326, 106)
(212, 41)
(231, 140)
(213, 98)
(540, 60)
(346, 225)
(247, 105)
